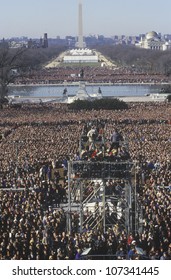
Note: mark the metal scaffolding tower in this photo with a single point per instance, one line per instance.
(103, 194)
(102, 189)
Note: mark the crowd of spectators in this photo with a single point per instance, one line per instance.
(71, 74)
(35, 144)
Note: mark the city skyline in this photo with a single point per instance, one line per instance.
(60, 18)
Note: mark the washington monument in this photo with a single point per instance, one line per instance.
(80, 26)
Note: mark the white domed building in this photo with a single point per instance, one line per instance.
(152, 35)
(153, 41)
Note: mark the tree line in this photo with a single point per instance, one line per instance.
(142, 59)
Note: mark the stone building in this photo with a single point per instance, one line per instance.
(154, 42)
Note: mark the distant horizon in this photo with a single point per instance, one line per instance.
(69, 35)
(60, 18)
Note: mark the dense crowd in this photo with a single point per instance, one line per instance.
(92, 74)
(35, 144)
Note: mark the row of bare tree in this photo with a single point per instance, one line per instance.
(143, 59)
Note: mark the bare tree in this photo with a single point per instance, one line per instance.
(10, 63)
(20, 61)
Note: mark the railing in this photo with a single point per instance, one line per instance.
(101, 169)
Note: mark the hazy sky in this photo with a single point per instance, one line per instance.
(33, 18)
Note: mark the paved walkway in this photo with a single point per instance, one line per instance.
(60, 99)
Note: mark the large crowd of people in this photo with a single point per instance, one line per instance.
(71, 74)
(36, 142)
